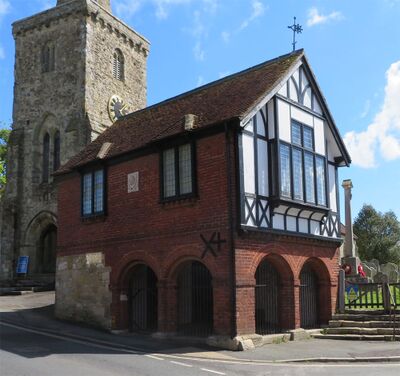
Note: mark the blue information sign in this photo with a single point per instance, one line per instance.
(22, 266)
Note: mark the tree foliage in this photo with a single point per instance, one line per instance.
(4, 135)
(378, 235)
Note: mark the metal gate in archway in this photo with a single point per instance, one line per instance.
(195, 300)
(267, 299)
(308, 298)
(143, 299)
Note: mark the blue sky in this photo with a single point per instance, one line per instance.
(353, 47)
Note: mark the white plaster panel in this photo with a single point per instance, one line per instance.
(283, 90)
(249, 126)
(293, 91)
(332, 187)
(303, 225)
(316, 106)
(284, 120)
(307, 98)
(319, 136)
(304, 79)
(248, 164)
(314, 227)
(260, 124)
(262, 149)
(278, 222)
(296, 76)
(302, 116)
(271, 120)
(290, 223)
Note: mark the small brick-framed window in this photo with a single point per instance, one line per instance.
(178, 175)
(118, 65)
(93, 200)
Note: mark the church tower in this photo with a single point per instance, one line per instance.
(77, 69)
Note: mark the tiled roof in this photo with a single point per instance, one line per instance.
(229, 98)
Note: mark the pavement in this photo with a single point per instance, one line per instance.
(33, 313)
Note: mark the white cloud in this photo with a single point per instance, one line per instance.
(383, 134)
(5, 8)
(2, 53)
(226, 36)
(258, 9)
(316, 18)
(198, 51)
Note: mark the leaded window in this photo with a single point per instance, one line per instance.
(302, 171)
(118, 65)
(46, 158)
(177, 171)
(93, 193)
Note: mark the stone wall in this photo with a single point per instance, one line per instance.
(82, 285)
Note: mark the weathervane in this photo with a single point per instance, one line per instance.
(297, 29)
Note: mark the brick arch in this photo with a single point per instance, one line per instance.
(120, 273)
(324, 279)
(286, 296)
(172, 270)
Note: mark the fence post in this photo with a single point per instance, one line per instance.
(386, 296)
(341, 290)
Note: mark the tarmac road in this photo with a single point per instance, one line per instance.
(35, 352)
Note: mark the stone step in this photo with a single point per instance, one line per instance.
(363, 317)
(356, 337)
(362, 331)
(363, 324)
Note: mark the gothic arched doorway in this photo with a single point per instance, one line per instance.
(195, 300)
(47, 250)
(143, 299)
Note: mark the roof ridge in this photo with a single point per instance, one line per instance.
(213, 83)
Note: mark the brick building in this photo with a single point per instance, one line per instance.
(213, 212)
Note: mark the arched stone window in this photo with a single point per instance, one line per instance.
(46, 158)
(118, 65)
(48, 58)
(56, 151)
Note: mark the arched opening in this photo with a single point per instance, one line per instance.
(143, 299)
(47, 250)
(267, 299)
(118, 65)
(56, 151)
(195, 300)
(45, 158)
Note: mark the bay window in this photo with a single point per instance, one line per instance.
(302, 171)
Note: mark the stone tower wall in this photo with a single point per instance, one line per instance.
(71, 99)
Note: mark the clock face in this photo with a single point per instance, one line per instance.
(117, 108)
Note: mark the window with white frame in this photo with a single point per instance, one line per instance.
(177, 171)
(93, 192)
(302, 171)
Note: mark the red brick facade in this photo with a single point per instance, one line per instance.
(138, 229)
